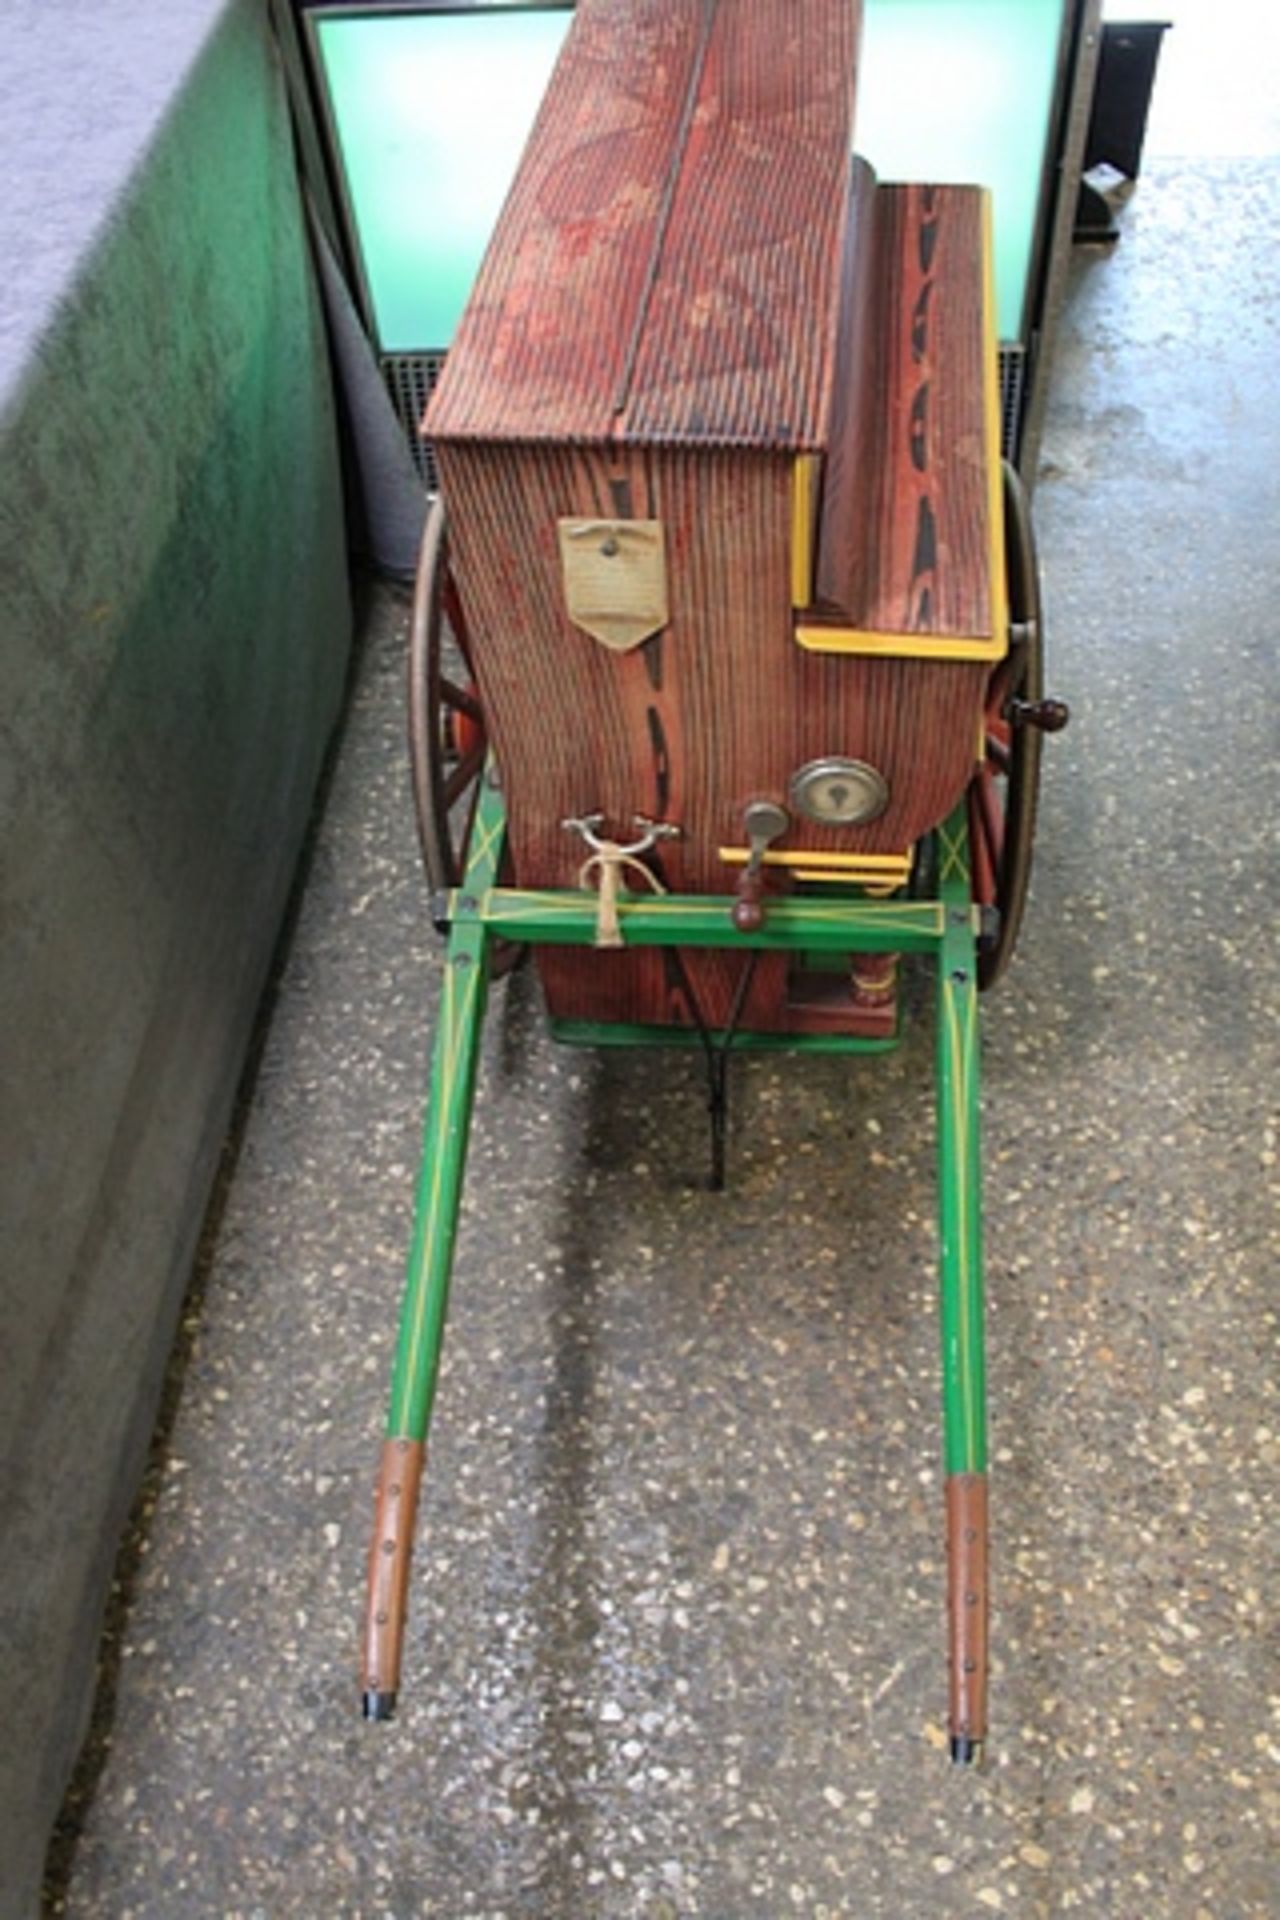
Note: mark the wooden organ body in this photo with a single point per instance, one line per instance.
(711, 351)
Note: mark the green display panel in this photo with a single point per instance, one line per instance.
(961, 92)
(430, 113)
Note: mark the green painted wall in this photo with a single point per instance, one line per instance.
(173, 648)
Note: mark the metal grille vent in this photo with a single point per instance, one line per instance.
(409, 379)
(1013, 367)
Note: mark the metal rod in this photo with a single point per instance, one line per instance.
(720, 1077)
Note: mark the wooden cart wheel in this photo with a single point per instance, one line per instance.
(1005, 790)
(448, 740)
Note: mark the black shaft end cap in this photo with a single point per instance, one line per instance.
(965, 1752)
(378, 1706)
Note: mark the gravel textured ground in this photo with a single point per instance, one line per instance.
(677, 1630)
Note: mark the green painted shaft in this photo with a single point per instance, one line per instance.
(959, 1169)
(704, 920)
(444, 1152)
(448, 1123)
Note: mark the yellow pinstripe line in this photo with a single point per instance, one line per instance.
(516, 905)
(970, 1051)
(961, 1062)
(441, 1098)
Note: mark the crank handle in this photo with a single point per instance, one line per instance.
(764, 822)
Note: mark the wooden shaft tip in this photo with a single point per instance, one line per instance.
(390, 1556)
(967, 1610)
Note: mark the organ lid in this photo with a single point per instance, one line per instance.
(665, 269)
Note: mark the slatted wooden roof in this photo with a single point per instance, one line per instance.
(664, 270)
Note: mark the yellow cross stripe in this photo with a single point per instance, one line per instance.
(955, 851)
(484, 846)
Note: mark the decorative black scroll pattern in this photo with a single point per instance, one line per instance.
(922, 586)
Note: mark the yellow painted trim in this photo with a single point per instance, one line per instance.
(804, 515)
(901, 646)
(841, 863)
(995, 476)
(927, 646)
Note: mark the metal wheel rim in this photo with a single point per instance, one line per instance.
(437, 790)
(1020, 677)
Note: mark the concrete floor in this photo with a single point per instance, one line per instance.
(677, 1629)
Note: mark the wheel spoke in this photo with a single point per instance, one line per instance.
(456, 618)
(467, 770)
(1001, 684)
(991, 822)
(461, 700)
(983, 878)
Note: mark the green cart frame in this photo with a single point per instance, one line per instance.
(482, 913)
(967, 923)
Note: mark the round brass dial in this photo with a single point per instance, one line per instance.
(836, 792)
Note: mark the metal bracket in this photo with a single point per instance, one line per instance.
(651, 831)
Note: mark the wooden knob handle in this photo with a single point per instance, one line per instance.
(1049, 716)
(390, 1553)
(748, 908)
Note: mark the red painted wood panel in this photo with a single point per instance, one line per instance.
(738, 344)
(541, 347)
(665, 264)
(904, 543)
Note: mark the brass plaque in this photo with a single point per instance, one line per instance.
(615, 579)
